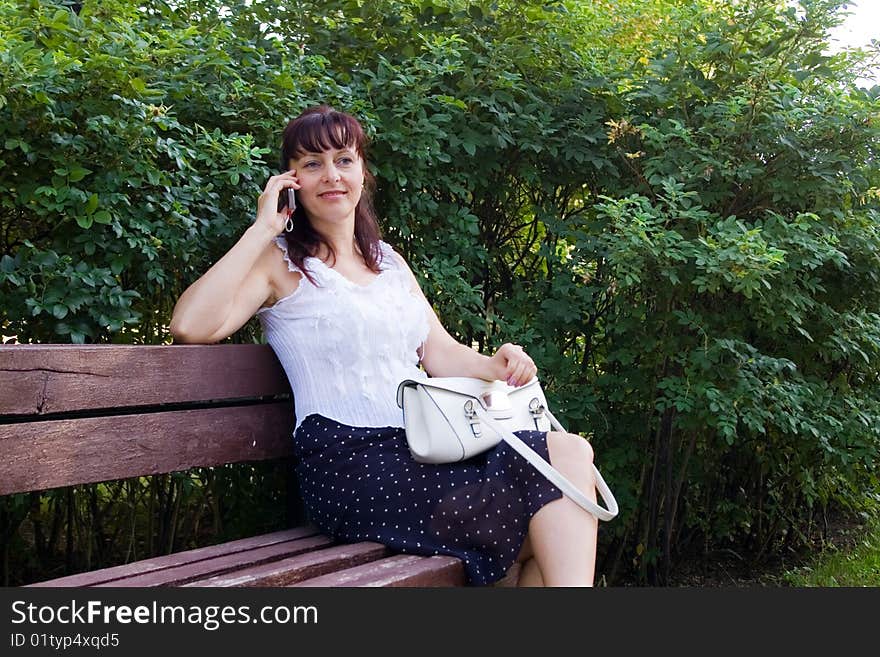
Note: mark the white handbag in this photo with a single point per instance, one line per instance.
(449, 419)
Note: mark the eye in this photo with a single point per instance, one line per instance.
(311, 164)
(346, 161)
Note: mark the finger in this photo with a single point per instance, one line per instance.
(275, 184)
(516, 379)
(509, 370)
(531, 368)
(286, 183)
(283, 175)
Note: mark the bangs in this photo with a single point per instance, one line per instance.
(321, 130)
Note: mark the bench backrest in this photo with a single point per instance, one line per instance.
(72, 414)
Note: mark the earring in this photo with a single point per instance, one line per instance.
(288, 226)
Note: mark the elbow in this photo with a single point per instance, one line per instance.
(442, 359)
(183, 335)
(180, 337)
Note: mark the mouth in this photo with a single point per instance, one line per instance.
(333, 193)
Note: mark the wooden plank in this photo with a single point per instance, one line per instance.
(302, 567)
(223, 565)
(41, 455)
(396, 571)
(511, 577)
(40, 379)
(186, 557)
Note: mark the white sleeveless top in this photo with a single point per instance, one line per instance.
(345, 347)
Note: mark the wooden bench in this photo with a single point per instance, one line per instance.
(74, 414)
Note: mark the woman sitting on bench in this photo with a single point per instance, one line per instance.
(348, 322)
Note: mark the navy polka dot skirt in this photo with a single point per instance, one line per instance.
(362, 484)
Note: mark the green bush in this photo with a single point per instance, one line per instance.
(134, 143)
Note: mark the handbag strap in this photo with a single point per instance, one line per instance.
(552, 474)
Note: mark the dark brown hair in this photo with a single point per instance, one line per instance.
(318, 129)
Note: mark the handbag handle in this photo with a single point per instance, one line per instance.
(552, 474)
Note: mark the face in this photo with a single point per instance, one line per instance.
(331, 183)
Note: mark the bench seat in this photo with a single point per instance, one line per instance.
(295, 557)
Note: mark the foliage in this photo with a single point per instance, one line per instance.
(133, 144)
(673, 205)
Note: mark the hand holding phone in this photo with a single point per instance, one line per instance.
(287, 199)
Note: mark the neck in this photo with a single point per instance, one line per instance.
(338, 236)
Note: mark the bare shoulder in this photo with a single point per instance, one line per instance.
(404, 266)
(282, 282)
(398, 259)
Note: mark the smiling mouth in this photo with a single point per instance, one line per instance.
(335, 193)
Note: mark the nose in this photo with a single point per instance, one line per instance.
(331, 173)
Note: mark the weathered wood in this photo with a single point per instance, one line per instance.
(511, 577)
(224, 565)
(41, 455)
(299, 568)
(396, 571)
(154, 565)
(41, 379)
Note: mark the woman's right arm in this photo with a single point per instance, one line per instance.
(233, 289)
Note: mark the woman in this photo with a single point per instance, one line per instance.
(348, 321)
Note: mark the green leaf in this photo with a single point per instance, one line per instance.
(92, 204)
(77, 173)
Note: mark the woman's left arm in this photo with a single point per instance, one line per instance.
(443, 355)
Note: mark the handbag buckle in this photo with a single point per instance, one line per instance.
(536, 408)
(471, 414)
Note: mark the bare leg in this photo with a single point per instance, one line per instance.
(530, 575)
(562, 534)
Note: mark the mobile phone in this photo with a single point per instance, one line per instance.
(287, 199)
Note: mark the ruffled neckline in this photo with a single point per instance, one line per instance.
(347, 281)
(384, 266)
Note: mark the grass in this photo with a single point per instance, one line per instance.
(856, 563)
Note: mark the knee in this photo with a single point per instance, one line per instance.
(569, 448)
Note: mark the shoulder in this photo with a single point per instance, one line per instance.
(275, 256)
(395, 259)
(399, 264)
(273, 259)
(281, 274)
